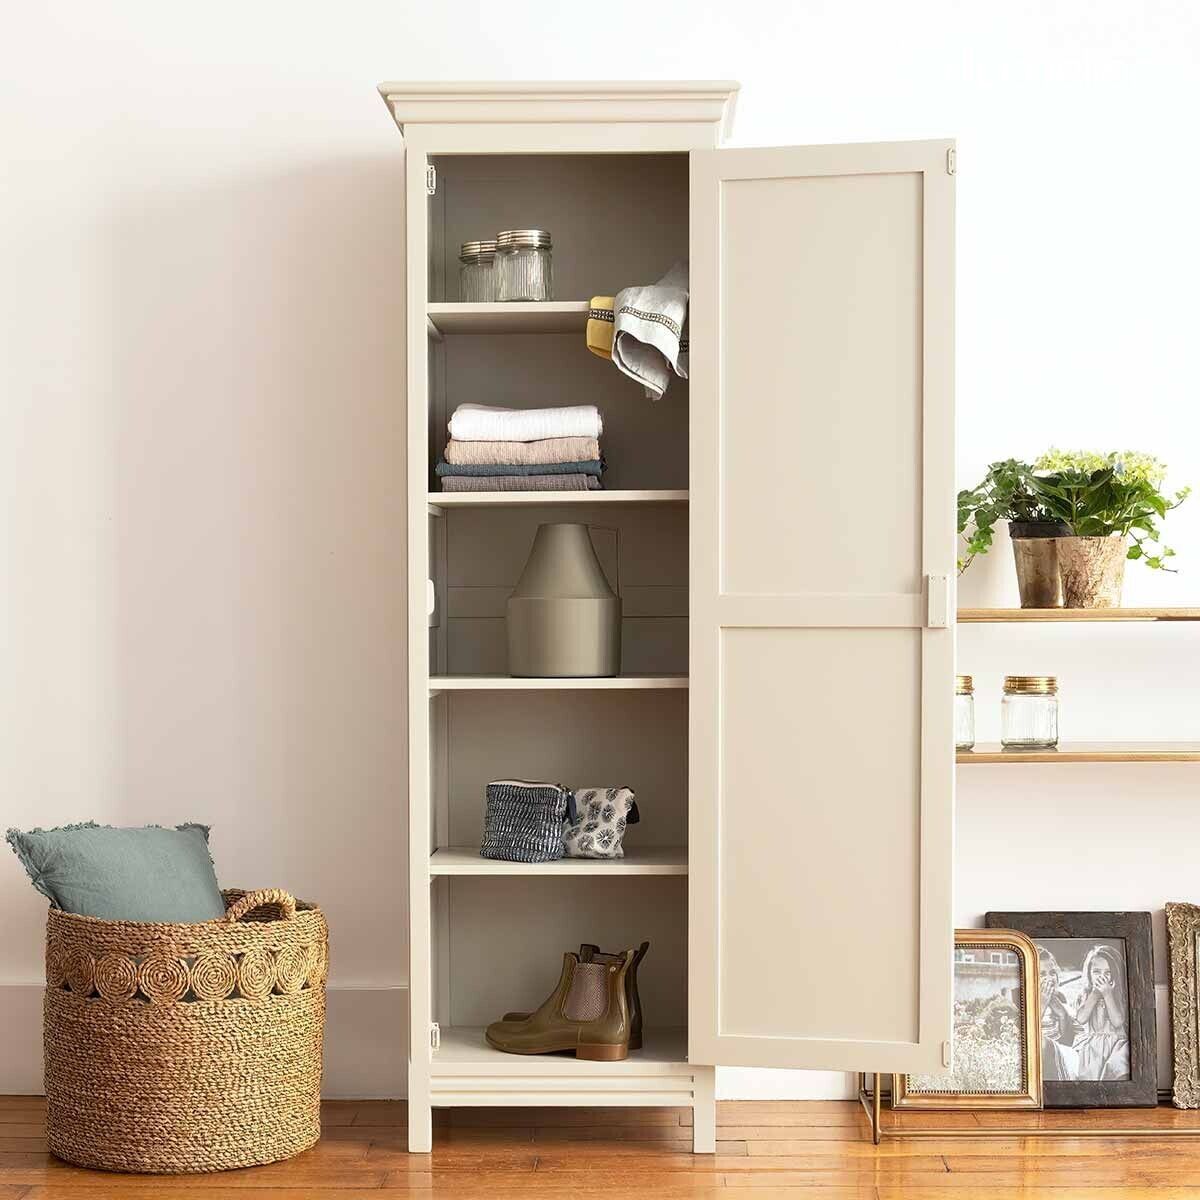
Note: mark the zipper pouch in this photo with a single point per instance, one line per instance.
(524, 820)
(599, 828)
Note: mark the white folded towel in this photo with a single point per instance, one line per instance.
(648, 342)
(480, 423)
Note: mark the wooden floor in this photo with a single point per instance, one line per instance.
(765, 1151)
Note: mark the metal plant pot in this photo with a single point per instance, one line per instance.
(1092, 571)
(1035, 552)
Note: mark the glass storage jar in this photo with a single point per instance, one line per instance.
(523, 265)
(477, 274)
(1029, 711)
(964, 712)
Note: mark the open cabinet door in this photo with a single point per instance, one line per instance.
(822, 542)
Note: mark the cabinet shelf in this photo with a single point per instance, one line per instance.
(464, 1050)
(967, 616)
(650, 860)
(1085, 752)
(539, 316)
(500, 683)
(442, 500)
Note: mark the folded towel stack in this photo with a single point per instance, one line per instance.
(522, 450)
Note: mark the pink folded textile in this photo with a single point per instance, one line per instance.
(548, 450)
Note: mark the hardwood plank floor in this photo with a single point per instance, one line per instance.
(774, 1150)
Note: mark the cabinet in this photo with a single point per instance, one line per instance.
(785, 525)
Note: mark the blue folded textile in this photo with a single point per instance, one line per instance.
(593, 467)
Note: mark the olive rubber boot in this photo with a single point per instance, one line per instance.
(587, 1013)
(589, 953)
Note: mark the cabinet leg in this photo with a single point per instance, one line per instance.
(420, 1115)
(704, 1111)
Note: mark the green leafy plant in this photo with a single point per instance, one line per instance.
(1008, 492)
(1102, 495)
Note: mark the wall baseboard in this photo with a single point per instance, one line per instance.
(365, 1051)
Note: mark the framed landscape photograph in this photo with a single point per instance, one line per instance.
(996, 1044)
(1096, 993)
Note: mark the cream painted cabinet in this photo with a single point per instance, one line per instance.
(782, 528)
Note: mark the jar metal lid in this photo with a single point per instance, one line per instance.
(964, 685)
(473, 250)
(1030, 685)
(523, 239)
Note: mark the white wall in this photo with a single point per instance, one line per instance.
(202, 411)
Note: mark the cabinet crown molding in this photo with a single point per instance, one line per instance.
(684, 100)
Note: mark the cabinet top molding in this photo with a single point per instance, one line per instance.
(683, 100)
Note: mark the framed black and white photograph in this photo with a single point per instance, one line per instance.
(995, 1029)
(1096, 1005)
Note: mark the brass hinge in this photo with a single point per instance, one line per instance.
(435, 1036)
(952, 161)
(431, 180)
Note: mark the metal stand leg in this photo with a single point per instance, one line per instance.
(876, 1128)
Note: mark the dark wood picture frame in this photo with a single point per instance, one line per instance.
(1133, 929)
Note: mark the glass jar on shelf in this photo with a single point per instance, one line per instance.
(1029, 712)
(477, 272)
(964, 712)
(524, 268)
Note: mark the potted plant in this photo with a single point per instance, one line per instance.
(1112, 504)
(1009, 492)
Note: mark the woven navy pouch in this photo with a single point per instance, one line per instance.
(524, 820)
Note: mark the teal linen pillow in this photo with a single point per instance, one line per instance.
(148, 874)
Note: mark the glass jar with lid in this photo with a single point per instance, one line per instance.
(1029, 712)
(523, 265)
(477, 272)
(964, 712)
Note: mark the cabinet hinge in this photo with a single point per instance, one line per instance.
(947, 1058)
(431, 180)
(435, 1036)
(938, 593)
(952, 161)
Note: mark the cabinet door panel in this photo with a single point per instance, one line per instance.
(821, 742)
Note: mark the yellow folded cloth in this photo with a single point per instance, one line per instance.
(600, 326)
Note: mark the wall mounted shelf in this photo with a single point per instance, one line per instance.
(493, 683)
(649, 860)
(1086, 752)
(443, 500)
(969, 616)
(541, 316)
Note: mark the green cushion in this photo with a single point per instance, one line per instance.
(148, 874)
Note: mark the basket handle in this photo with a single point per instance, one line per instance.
(252, 900)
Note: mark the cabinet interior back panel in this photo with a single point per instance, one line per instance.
(581, 739)
(833, 369)
(507, 938)
(644, 443)
(486, 552)
(615, 219)
(852, 927)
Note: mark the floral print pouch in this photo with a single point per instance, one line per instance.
(599, 826)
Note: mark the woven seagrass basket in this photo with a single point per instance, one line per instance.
(173, 1048)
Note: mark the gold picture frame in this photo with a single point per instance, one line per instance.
(997, 1040)
(1183, 944)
